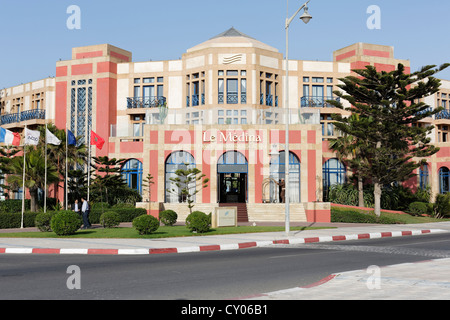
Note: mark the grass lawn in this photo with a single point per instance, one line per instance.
(345, 215)
(162, 232)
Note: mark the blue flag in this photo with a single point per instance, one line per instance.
(71, 138)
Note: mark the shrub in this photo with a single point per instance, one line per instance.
(42, 221)
(65, 222)
(350, 216)
(418, 208)
(126, 214)
(198, 221)
(168, 217)
(353, 216)
(99, 205)
(146, 224)
(110, 219)
(13, 220)
(441, 206)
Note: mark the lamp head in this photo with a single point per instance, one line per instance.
(306, 17)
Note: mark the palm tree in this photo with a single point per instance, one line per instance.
(34, 174)
(76, 155)
(7, 153)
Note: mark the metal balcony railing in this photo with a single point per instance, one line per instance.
(270, 100)
(444, 114)
(22, 116)
(145, 102)
(317, 102)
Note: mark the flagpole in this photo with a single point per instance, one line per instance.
(45, 179)
(66, 166)
(89, 169)
(23, 180)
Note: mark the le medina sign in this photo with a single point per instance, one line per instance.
(230, 136)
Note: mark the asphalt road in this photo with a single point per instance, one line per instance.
(214, 275)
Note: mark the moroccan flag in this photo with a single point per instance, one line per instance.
(96, 140)
(9, 137)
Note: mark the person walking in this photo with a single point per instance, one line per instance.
(76, 207)
(85, 213)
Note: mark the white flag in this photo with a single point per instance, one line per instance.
(31, 137)
(51, 138)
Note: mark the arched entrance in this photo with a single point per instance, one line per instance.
(232, 172)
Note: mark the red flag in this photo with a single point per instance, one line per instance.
(97, 140)
(16, 140)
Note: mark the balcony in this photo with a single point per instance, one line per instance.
(145, 102)
(15, 118)
(317, 102)
(443, 115)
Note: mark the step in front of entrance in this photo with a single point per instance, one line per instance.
(242, 214)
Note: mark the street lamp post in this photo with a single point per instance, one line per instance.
(305, 17)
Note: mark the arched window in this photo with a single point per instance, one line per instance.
(132, 174)
(444, 175)
(277, 173)
(423, 177)
(333, 173)
(175, 161)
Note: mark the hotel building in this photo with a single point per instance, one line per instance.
(220, 108)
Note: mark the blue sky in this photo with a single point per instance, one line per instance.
(34, 34)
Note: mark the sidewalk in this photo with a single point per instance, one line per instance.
(397, 282)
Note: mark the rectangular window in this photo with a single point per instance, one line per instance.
(149, 91)
(136, 129)
(232, 91)
(137, 92)
(160, 91)
(244, 91)
(221, 90)
(317, 80)
(317, 91)
(330, 92)
(306, 90)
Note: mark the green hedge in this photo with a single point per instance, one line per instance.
(351, 216)
(12, 220)
(126, 214)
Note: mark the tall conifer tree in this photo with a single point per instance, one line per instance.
(388, 105)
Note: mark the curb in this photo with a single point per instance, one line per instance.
(244, 245)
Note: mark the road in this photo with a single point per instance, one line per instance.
(205, 275)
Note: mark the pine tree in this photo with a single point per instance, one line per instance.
(386, 105)
(188, 183)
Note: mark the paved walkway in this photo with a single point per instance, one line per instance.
(427, 280)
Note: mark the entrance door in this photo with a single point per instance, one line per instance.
(232, 170)
(232, 187)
